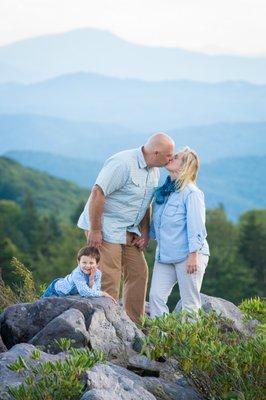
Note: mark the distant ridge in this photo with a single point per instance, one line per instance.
(94, 141)
(92, 50)
(135, 104)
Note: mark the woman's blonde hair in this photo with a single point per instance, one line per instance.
(189, 169)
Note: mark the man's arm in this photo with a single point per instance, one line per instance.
(96, 206)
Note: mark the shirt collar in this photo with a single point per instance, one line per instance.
(140, 157)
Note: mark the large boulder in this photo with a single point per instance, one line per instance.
(70, 325)
(105, 383)
(225, 309)
(113, 382)
(97, 322)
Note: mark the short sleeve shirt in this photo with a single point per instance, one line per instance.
(128, 185)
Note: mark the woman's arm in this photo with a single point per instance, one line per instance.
(196, 229)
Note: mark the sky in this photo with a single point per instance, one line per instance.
(209, 26)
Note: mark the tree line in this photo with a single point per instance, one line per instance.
(48, 247)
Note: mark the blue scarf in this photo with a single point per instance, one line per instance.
(164, 191)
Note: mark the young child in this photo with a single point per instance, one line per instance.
(84, 280)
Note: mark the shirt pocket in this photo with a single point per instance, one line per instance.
(175, 210)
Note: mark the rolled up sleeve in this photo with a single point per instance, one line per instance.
(112, 176)
(196, 216)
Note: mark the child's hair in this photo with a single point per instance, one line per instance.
(89, 251)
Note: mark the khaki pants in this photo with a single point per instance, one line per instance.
(126, 259)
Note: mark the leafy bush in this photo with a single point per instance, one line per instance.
(219, 363)
(254, 309)
(63, 379)
(24, 292)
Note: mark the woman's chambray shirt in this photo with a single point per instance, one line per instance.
(178, 225)
(128, 185)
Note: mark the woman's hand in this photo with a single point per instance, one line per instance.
(141, 241)
(105, 294)
(192, 262)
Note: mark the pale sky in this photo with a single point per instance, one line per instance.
(211, 26)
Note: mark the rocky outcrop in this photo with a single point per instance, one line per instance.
(226, 309)
(97, 323)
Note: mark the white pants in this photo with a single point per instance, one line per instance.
(165, 276)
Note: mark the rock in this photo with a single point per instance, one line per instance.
(107, 325)
(105, 383)
(21, 322)
(143, 366)
(103, 336)
(163, 389)
(2, 345)
(70, 325)
(125, 329)
(11, 378)
(112, 381)
(224, 308)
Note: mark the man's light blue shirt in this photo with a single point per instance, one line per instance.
(178, 225)
(128, 185)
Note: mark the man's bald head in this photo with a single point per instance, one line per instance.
(158, 150)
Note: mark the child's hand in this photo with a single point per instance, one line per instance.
(105, 294)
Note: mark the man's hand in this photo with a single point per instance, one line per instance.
(192, 263)
(141, 241)
(95, 238)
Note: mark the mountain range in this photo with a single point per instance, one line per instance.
(97, 141)
(137, 105)
(93, 50)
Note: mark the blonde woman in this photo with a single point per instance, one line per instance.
(178, 225)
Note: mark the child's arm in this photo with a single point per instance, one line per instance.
(82, 286)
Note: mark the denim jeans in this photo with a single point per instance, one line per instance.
(50, 291)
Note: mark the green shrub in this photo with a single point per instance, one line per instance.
(254, 309)
(218, 362)
(63, 379)
(24, 292)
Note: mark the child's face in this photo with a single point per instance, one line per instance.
(87, 264)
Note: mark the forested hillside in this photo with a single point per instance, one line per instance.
(51, 195)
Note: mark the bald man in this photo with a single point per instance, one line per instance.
(116, 218)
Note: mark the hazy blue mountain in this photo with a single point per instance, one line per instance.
(82, 172)
(136, 104)
(75, 139)
(93, 50)
(93, 141)
(238, 183)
